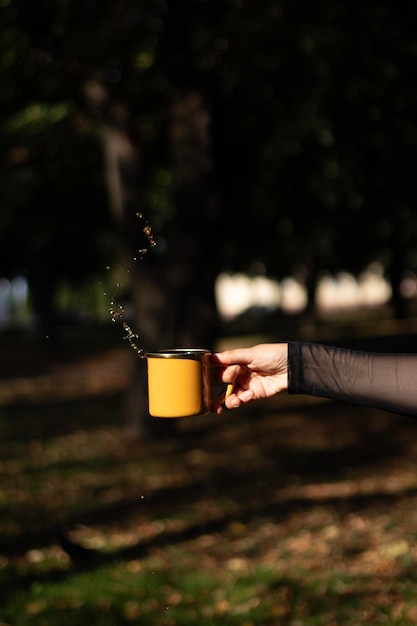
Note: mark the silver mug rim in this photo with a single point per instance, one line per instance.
(177, 353)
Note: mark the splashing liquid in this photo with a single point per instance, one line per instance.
(117, 310)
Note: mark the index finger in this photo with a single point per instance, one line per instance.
(230, 357)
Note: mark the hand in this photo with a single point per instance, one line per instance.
(256, 373)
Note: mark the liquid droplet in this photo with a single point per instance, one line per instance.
(131, 337)
(117, 311)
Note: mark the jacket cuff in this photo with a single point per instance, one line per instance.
(295, 367)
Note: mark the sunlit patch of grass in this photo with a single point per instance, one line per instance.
(127, 592)
(148, 592)
(165, 589)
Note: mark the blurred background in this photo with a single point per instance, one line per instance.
(269, 150)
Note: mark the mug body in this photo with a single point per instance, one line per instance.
(179, 382)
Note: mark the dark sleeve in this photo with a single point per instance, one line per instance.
(384, 381)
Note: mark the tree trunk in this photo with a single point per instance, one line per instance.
(173, 287)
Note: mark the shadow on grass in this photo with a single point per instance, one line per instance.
(258, 456)
(22, 423)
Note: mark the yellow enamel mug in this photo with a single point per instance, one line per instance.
(180, 382)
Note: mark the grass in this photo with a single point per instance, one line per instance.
(291, 513)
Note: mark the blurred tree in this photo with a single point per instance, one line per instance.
(53, 223)
(322, 110)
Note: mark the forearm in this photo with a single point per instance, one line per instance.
(385, 381)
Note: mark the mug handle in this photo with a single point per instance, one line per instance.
(222, 396)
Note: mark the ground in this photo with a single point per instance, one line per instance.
(294, 512)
